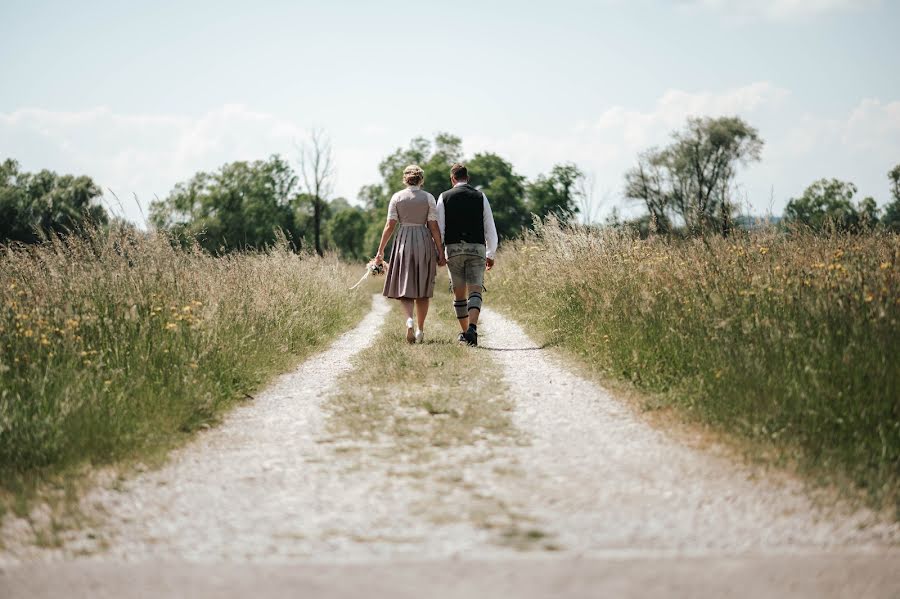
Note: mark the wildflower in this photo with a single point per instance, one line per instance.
(187, 309)
(171, 326)
(194, 365)
(869, 297)
(763, 250)
(107, 382)
(885, 265)
(29, 333)
(83, 354)
(838, 254)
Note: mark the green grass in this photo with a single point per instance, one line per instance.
(118, 346)
(792, 342)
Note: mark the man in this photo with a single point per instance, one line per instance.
(470, 239)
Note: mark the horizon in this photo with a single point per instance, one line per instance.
(152, 94)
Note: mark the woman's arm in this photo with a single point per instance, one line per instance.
(436, 236)
(385, 235)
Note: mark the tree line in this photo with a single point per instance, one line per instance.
(687, 188)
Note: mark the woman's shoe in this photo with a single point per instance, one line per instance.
(410, 333)
(420, 335)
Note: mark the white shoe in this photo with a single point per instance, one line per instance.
(410, 334)
(420, 335)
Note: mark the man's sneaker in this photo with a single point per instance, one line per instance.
(410, 333)
(420, 336)
(462, 338)
(471, 337)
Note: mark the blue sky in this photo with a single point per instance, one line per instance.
(141, 95)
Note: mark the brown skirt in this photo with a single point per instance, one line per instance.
(413, 264)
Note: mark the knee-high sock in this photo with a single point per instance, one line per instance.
(475, 301)
(460, 307)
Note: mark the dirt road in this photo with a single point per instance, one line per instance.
(590, 495)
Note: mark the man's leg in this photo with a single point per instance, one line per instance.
(474, 303)
(460, 306)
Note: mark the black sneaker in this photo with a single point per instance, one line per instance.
(462, 338)
(471, 337)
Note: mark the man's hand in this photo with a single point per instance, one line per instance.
(442, 261)
(489, 262)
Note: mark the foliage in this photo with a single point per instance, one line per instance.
(828, 204)
(347, 232)
(505, 190)
(120, 342)
(891, 218)
(691, 179)
(34, 205)
(240, 206)
(556, 194)
(787, 340)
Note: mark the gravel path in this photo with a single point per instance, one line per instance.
(587, 481)
(606, 482)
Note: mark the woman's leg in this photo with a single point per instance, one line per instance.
(407, 306)
(421, 311)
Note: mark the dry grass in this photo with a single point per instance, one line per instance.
(436, 413)
(789, 341)
(119, 345)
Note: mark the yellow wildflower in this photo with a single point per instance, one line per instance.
(29, 333)
(171, 326)
(885, 265)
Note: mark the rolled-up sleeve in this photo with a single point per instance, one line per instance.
(432, 208)
(441, 216)
(392, 209)
(490, 229)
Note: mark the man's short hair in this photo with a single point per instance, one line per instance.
(459, 172)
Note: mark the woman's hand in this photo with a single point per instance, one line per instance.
(378, 259)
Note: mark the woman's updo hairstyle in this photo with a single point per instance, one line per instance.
(413, 175)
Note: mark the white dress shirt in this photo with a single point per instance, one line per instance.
(490, 229)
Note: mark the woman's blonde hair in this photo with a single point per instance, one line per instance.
(413, 175)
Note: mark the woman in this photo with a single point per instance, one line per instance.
(417, 250)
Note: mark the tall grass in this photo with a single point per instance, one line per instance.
(120, 343)
(792, 341)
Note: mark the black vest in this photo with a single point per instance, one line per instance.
(463, 215)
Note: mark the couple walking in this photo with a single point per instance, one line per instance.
(457, 231)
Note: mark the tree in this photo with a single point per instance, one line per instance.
(435, 157)
(317, 169)
(347, 231)
(240, 206)
(891, 218)
(556, 193)
(505, 190)
(826, 204)
(692, 178)
(36, 204)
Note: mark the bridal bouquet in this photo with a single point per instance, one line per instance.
(372, 270)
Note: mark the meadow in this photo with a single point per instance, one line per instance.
(788, 341)
(120, 344)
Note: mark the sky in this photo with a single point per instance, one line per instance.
(142, 95)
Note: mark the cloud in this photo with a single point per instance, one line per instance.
(141, 154)
(780, 10)
(608, 144)
(859, 145)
